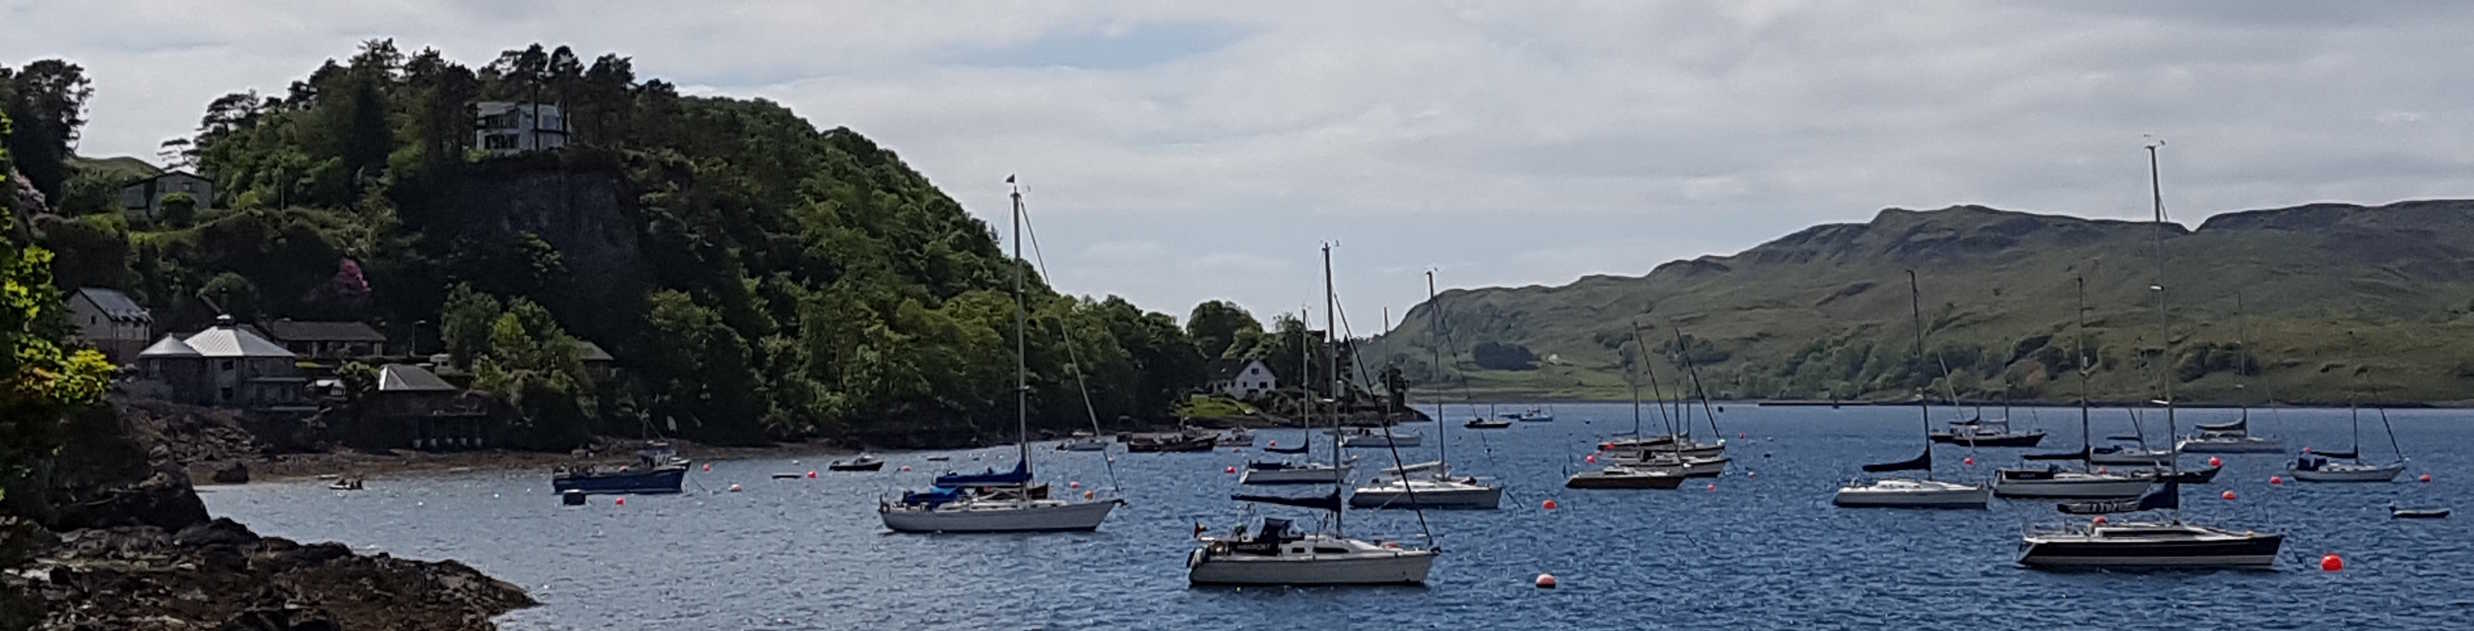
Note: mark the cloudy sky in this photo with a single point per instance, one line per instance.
(1176, 152)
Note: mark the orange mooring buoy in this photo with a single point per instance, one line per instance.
(1548, 505)
(2332, 563)
(1546, 581)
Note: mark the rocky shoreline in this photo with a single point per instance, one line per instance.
(110, 535)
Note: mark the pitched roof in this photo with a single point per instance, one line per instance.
(226, 340)
(165, 174)
(305, 331)
(115, 305)
(169, 346)
(1228, 369)
(588, 351)
(410, 378)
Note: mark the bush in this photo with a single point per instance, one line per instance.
(179, 210)
(1501, 356)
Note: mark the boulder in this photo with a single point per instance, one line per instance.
(234, 473)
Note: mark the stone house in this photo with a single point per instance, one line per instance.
(326, 340)
(143, 199)
(225, 366)
(111, 322)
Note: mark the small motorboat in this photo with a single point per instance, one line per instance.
(1911, 493)
(940, 458)
(1533, 415)
(2417, 513)
(1482, 423)
(1236, 438)
(657, 470)
(786, 475)
(864, 462)
(1083, 441)
(1177, 442)
(2193, 476)
(345, 483)
(1987, 433)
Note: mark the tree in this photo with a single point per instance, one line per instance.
(466, 322)
(1216, 324)
(235, 293)
(179, 210)
(46, 379)
(1502, 356)
(46, 101)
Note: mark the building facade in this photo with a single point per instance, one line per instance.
(1246, 381)
(506, 127)
(144, 198)
(326, 340)
(111, 322)
(225, 366)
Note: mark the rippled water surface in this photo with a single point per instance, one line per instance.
(1763, 550)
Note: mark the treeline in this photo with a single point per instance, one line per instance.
(770, 280)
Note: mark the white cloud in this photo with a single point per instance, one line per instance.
(1509, 143)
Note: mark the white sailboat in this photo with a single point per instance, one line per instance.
(2236, 437)
(1429, 485)
(993, 501)
(1632, 466)
(2348, 466)
(2170, 543)
(1369, 437)
(2056, 482)
(1306, 470)
(1912, 492)
(1277, 555)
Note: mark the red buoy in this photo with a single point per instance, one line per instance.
(1740, 436)
(1591, 459)
(1547, 505)
(1275, 443)
(735, 488)
(811, 475)
(1713, 488)
(2332, 563)
(621, 502)
(708, 467)
(2099, 520)
(2276, 480)
(1073, 484)
(906, 467)
(2228, 495)
(2426, 478)
(2214, 461)
(2306, 451)
(1969, 461)
(1230, 469)
(1546, 581)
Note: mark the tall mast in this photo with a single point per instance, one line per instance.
(2079, 359)
(2164, 318)
(1022, 379)
(1434, 332)
(1674, 443)
(1924, 404)
(1331, 370)
(1305, 377)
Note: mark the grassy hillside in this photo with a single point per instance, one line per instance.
(115, 168)
(2328, 292)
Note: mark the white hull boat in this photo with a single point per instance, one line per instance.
(2231, 445)
(998, 515)
(2132, 456)
(2045, 483)
(1283, 473)
(1911, 493)
(2349, 472)
(1083, 444)
(1235, 438)
(1379, 439)
(1306, 560)
(1428, 493)
(2169, 545)
(1690, 466)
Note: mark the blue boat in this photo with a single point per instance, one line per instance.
(657, 470)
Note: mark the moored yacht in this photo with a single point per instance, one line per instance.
(2348, 465)
(1360, 437)
(1429, 485)
(1910, 492)
(1285, 472)
(1976, 432)
(1622, 477)
(1276, 555)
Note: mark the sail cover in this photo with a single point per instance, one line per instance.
(2168, 496)
(1016, 477)
(1327, 502)
(2338, 455)
(1919, 463)
(931, 497)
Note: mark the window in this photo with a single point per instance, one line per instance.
(498, 141)
(227, 391)
(227, 365)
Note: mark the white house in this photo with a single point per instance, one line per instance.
(504, 127)
(111, 322)
(144, 198)
(1249, 380)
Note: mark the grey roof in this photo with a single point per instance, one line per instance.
(115, 305)
(229, 341)
(169, 346)
(165, 174)
(304, 331)
(588, 351)
(410, 378)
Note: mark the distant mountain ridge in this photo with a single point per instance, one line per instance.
(1823, 312)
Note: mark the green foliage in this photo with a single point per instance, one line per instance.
(466, 323)
(179, 210)
(43, 378)
(532, 362)
(1216, 324)
(235, 293)
(360, 380)
(1501, 356)
(46, 100)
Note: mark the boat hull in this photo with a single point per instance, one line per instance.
(2070, 485)
(1912, 494)
(659, 481)
(2225, 550)
(856, 466)
(1487, 424)
(1399, 567)
(1692, 467)
(1044, 517)
(2141, 457)
(2381, 473)
(2029, 439)
(2248, 445)
(1299, 475)
(1463, 497)
(1395, 440)
(1614, 480)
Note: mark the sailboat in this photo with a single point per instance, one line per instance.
(1264, 472)
(1911, 492)
(1277, 554)
(2235, 437)
(1429, 485)
(2170, 543)
(994, 501)
(1534, 414)
(2347, 466)
(2053, 481)
(1638, 474)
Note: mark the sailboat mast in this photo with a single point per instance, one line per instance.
(2164, 317)
(1924, 404)
(1674, 442)
(2086, 440)
(1305, 378)
(1434, 333)
(1022, 379)
(1331, 369)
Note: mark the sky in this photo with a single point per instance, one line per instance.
(1178, 152)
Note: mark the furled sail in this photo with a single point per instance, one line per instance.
(1016, 477)
(2168, 496)
(1326, 502)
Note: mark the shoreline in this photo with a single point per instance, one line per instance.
(326, 465)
